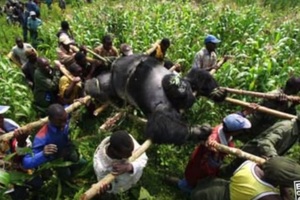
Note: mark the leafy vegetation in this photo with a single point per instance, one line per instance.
(262, 36)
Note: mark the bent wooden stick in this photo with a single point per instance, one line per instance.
(100, 109)
(75, 48)
(262, 109)
(63, 69)
(260, 94)
(111, 121)
(110, 177)
(40, 122)
(238, 153)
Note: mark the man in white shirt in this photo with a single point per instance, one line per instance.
(206, 58)
(17, 54)
(111, 156)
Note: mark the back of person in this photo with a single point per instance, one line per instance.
(245, 184)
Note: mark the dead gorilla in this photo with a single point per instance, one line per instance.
(143, 82)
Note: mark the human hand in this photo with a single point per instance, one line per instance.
(250, 109)
(281, 97)
(121, 168)
(21, 136)
(211, 144)
(83, 49)
(104, 187)
(50, 149)
(76, 79)
(2, 131)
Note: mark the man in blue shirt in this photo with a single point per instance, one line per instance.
(32, 24)
(52, 141)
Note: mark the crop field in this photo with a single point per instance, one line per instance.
(261, 36)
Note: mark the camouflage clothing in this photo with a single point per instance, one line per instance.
(275, 141)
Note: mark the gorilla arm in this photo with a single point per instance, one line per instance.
(165, 127)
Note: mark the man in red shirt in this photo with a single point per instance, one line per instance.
(205, 161)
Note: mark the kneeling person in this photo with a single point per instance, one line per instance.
(111, 156)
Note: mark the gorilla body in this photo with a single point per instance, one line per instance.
(144, 82)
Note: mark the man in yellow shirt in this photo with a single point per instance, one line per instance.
(69, 90)
(252, 182)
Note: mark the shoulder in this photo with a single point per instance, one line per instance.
(42, 132)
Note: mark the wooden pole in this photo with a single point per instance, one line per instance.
(40, 122)
(110, 177)
(100, 109)
(63, 69)
(74, 48)
(260, 94)
(238, 153)
(261, 108)
(111, 121)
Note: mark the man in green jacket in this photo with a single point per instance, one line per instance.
(275, 141)
(262, 121)
(46, 85)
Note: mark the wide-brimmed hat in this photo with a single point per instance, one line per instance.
(3, 109)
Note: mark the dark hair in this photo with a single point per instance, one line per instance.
(121, 140)
(55, 110)
(293, 84)
(165, 42)
(79, 56)
(18, 39)
(73, 68)
(64, 25)
(106, 38)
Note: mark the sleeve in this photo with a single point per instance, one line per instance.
(267, 144)
(139, 164)
(28, 23)
(197, 61)
(64, 58)
(37, 157)
(63, 85)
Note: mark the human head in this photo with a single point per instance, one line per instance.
(120, 145)
(75, 69)
(292, 86)
(80, 59)
(107, 42)
(32, 14)
(165, 44)
(19, 42)
(65, 25)
(234, 124)
(31, 54)
(57, 116)
(44, 65)
(211, 42)
(281, 171)
(3, 109)
(126, 50)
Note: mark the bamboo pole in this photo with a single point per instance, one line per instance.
(111, 121)
(153, 48)
(40, 122)
(237, 152)
(260, 94)
(11, 57)
(261, 108)
(110, 177)
(63, 69)
(100, 109)
(76, 49)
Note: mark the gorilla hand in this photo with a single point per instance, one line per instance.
(200, 132)
(218, 94)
